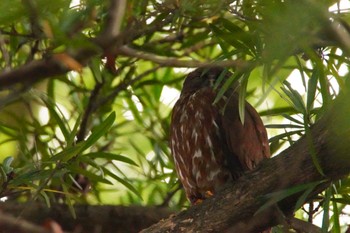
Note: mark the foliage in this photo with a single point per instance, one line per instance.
(108, 118)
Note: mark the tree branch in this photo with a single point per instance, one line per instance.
(12, 224)
(235, 208)
(302, 226)
(173, 62)
(106, 219)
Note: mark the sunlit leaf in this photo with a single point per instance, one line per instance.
(110, 156)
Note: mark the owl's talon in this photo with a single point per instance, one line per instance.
(209, 194)
(198, 201)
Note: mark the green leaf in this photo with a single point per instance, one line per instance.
(219, 80)
(110, 156)
(230, 39)
(6, 164)
(303, 197)
(275, 197)
(284, 135)
(325, 219)
(96, 133)
(241, 97)
(295, 97)
(133, 108)
(69, 200)
(293, 119)
(3, 175)
(46, 198)
(68, 153)
(311, 91)
(36, 175)
(336, 215)
(228, 83)
(278, 111)
(99, 131)
(58, 116)
(238, 33)
(122, 181)
(284, 126)
(91, 176)
(95, 69)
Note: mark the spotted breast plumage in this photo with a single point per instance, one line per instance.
(209, 143)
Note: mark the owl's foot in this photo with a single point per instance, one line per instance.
(197, 202)
(208, 194)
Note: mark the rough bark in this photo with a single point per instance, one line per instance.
(88, 218)
(235, 208)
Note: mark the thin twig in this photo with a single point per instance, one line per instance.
(115, 18)
(174, 62)
(302, 226)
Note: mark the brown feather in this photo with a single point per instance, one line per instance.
(209, 143)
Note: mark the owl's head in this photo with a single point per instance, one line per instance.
(203, 78)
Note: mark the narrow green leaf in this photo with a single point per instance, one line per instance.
(110, 156)
(123, 182)
(69, 200)
(284, 126)
(3, 175)
(325, 220)
(73, 134)
(311, 90)
(278, 111)
(302, 198)
(34, 175)
(95, 69)
(336, 214)
(88, 174)
(312, 150)
(324, 87)
(58, 116)
(134, 110)
(284, 135)
(227, 37)
(238, 33)
(294, 96)
(7, 164)
(220, 79)
(68, 153)
(241, 97)
(46, 198)
(273, 198)
(99, 131)
(293, 119)
(228, 83)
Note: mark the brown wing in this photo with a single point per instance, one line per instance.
(248, 142)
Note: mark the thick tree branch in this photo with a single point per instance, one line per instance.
(88, 218)
(235, 208)
(9, 223)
